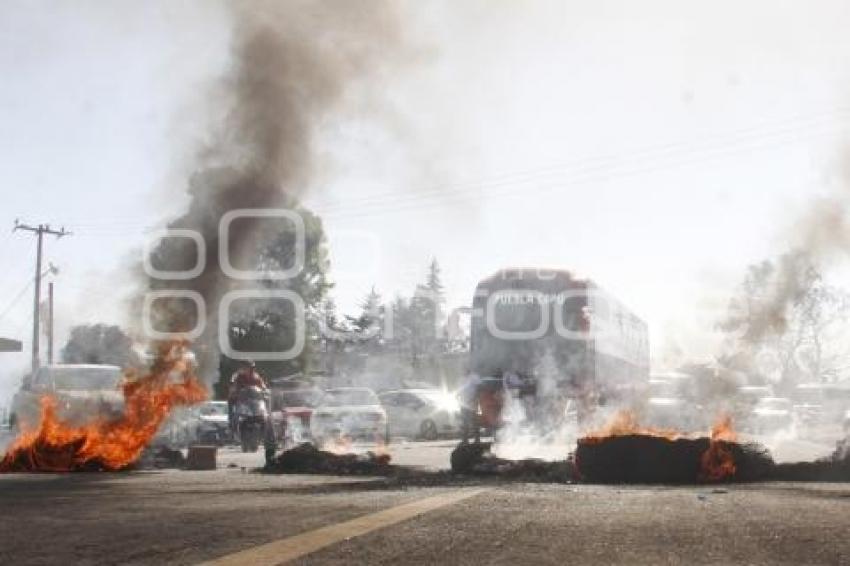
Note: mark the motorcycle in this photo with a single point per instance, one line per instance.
(253, 425)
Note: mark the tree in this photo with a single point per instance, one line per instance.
(434, 285)
(417, 323)
(369, 323)
(781, 325)
(99, 344)
(270, 325)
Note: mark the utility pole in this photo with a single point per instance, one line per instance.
(50, 323)
(39, 231)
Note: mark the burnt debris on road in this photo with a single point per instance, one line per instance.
(307, 459)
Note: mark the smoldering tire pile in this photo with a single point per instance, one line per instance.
(307, 459)
(51, 458)
(648, 459)
(48, 457)
(641, 458)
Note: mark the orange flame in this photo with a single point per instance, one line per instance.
(110, 444)
(718, 462)
(624, 423)
(341, 446)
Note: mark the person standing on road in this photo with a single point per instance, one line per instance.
(468, 396)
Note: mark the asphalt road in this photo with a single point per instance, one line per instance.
(187, 517)
(181, 517)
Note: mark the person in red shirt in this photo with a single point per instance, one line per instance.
(245, 376)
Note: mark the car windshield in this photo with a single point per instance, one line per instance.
(349, 397)
(213, 410)
(85, 379)
(300, 398)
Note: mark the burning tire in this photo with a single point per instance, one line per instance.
(643, 458)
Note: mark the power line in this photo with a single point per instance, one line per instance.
(543, 185)
(15, 300)
(662, 151)
(551, 177)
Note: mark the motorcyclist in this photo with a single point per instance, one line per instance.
(245, 376)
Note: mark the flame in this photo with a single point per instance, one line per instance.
(110, 444)
(718, 462)
(624, 423)
(339, 446)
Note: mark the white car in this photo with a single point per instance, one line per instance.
(178, 430)
(349, 413)
(421, 413)
(213, 425)
(81, 391)
(292, 410)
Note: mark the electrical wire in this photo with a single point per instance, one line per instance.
(15, 300)
(553, 176)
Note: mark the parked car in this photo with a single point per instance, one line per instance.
(421, 413)
(292, 412)
(82, 391)
(213, 424)
(772, 414)
(178, 430)
(349, 413)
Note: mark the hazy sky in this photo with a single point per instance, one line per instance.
(656, 147)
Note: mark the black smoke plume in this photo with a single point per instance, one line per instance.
(295, 65)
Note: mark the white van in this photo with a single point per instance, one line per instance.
(82, 391)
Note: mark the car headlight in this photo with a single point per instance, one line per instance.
(449, 403)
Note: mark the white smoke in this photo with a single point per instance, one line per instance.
(541, 426)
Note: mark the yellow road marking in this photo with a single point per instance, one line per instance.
(284, 550)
